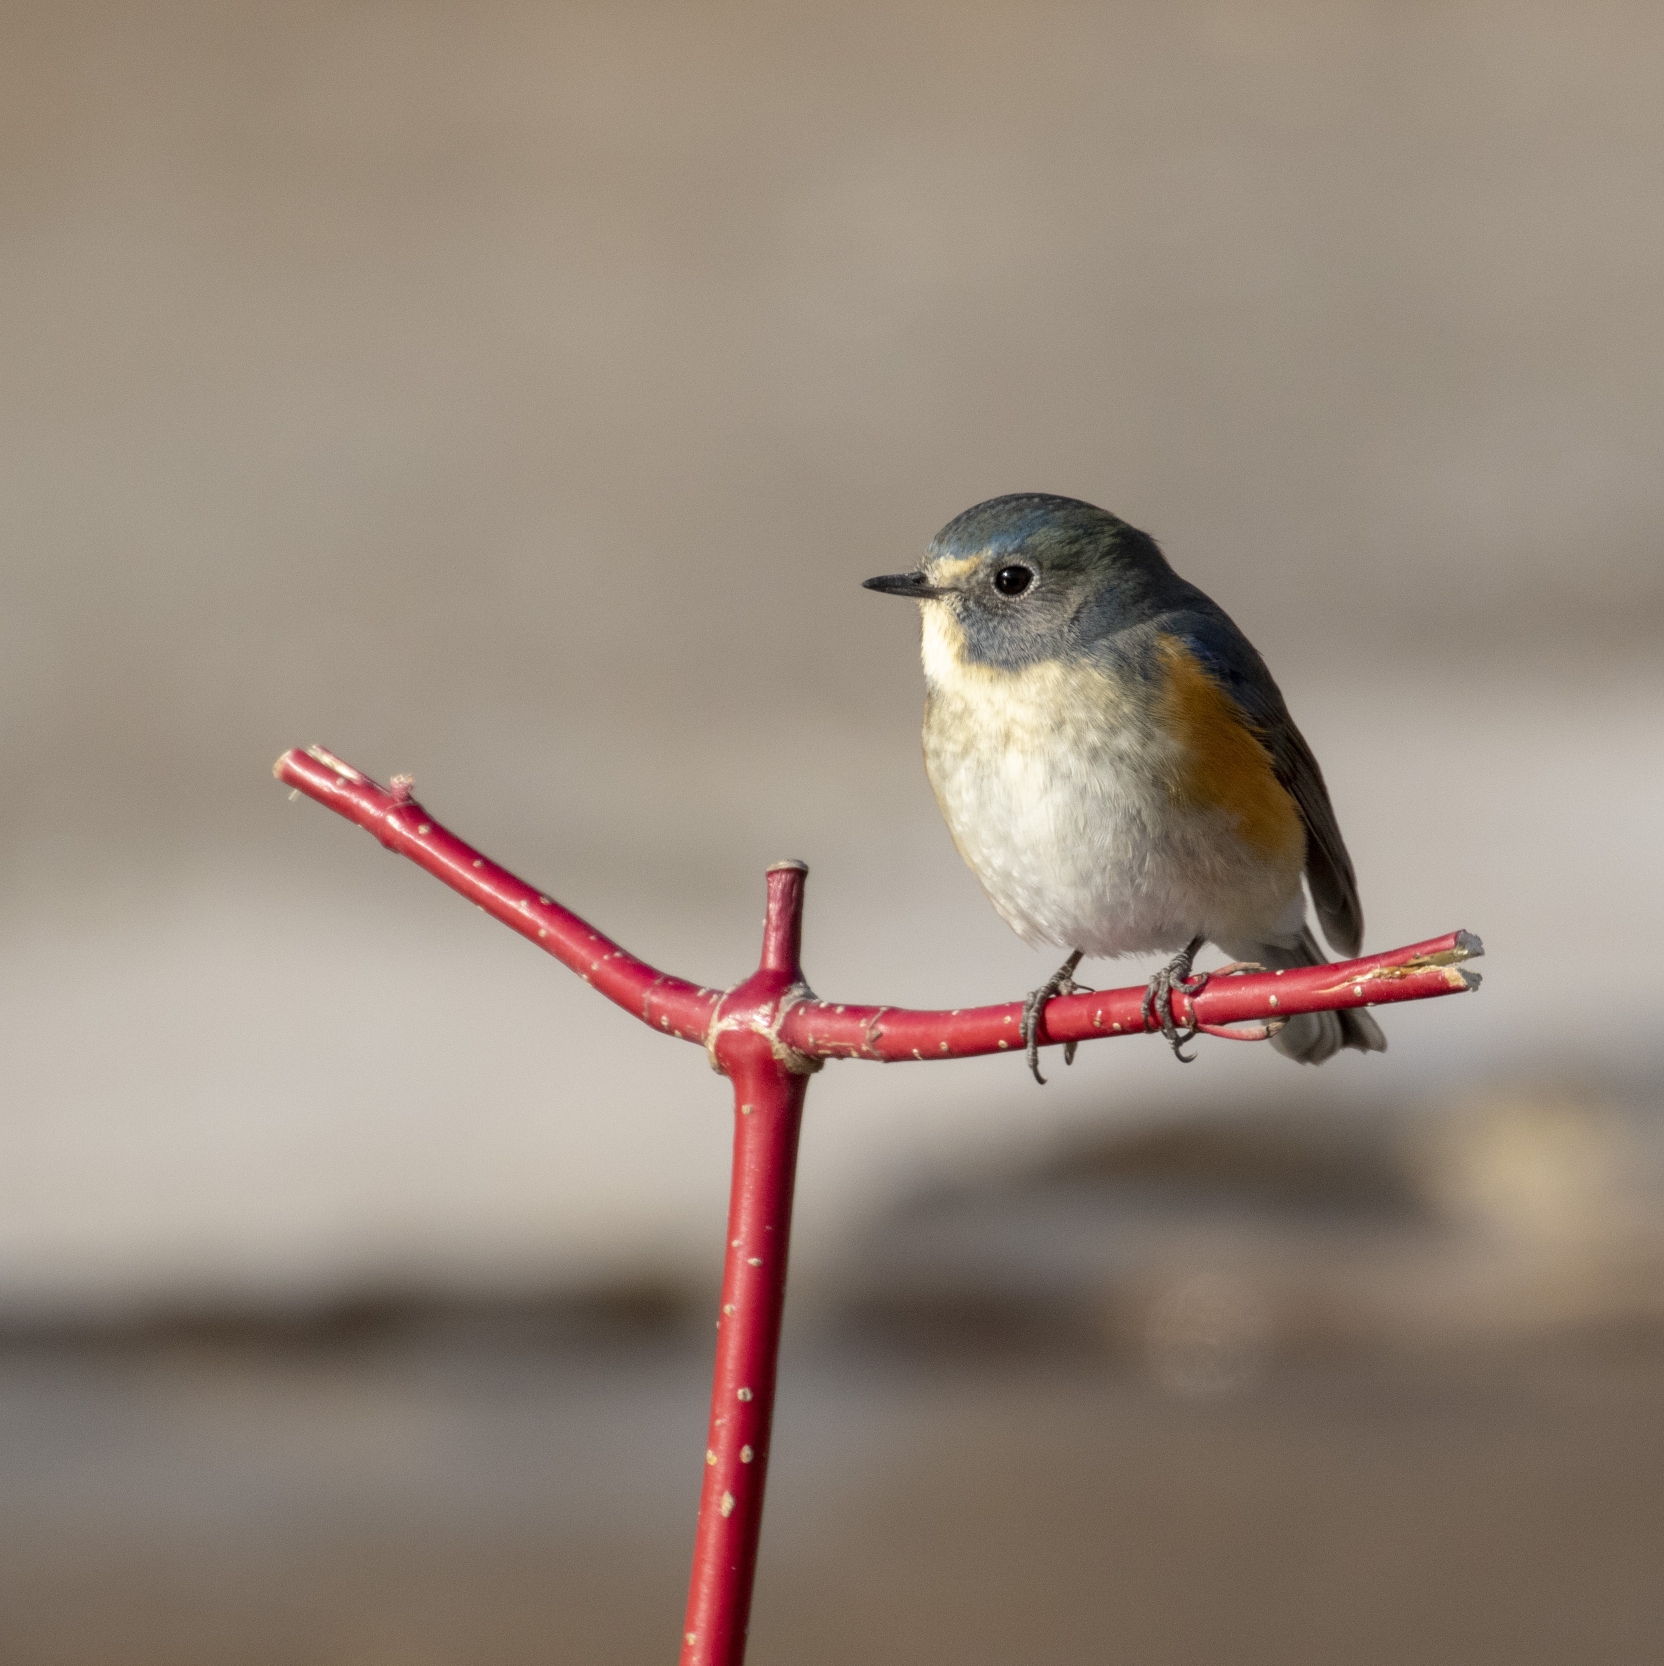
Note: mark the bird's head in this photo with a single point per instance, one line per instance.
(1029, 577)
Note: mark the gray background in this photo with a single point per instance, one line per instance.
(517, 394)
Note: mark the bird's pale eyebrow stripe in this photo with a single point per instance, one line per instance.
(945, 569)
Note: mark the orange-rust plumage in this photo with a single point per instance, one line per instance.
(1222, 763)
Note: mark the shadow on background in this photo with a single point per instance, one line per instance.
(517, 395)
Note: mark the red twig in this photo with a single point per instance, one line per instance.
(767, 1035)
(768, 1109)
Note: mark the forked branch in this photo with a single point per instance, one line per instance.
(767, 1034)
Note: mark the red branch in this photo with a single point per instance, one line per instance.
(816, 1029)
(767, 1034)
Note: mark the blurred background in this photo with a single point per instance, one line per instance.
(516, 395)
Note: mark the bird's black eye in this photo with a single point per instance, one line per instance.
(1013, 581)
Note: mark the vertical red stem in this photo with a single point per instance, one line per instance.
(768, 1112)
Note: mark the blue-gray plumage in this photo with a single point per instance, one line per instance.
(1116, 763)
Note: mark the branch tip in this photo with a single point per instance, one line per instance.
(322, 755)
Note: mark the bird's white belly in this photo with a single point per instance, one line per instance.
(1055, 788)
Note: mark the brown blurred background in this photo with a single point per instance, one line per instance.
(516, 395)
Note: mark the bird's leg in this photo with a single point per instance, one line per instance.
(1158, 997)
(1061, 982)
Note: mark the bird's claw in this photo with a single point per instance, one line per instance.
(1061, 982)
(1158, 999)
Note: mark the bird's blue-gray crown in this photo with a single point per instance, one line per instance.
(1032, 576)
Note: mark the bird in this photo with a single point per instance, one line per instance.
(1118, 767)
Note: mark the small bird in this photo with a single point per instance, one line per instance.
(1117, 766)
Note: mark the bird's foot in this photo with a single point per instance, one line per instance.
(1158, 998)
(1061, 982)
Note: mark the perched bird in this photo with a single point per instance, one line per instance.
(1116, 764)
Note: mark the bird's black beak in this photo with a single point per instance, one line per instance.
(915, 585)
